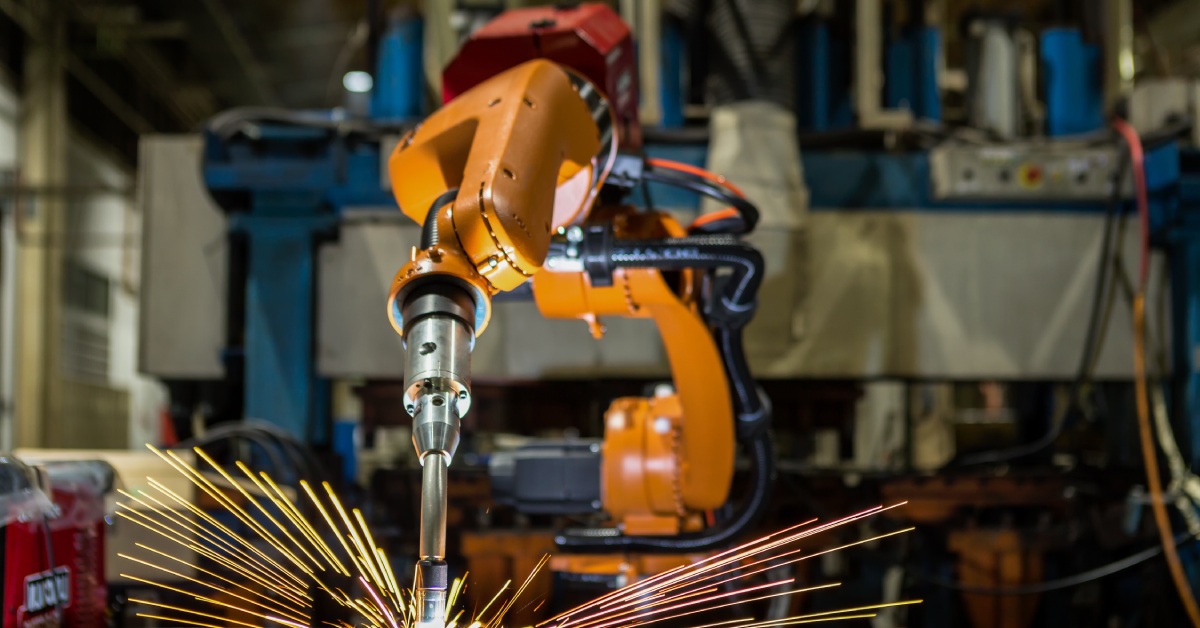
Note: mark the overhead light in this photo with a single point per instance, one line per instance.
(358, 82)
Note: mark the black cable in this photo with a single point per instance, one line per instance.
(217, 436)
(1057, 584)
(709, 251)
(286, 440)
(730, 312)
(273, 441)
(719, 226)
(429, 228)
(1097, 321)
(299, 456)
(1091, 346)
(646, 196)
(239, 120)
(699, 185)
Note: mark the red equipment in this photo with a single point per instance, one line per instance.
(52, 540)
(590, 39)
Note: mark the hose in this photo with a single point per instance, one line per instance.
(1047, 586)
(1150, 458)
(271, 440)
(747, 212)
(429, 228)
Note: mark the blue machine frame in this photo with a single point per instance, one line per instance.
(284, 188)
(283, 198)
(287, 186)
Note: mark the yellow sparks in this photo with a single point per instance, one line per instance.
(275, 578)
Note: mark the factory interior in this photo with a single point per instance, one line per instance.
(482, 313)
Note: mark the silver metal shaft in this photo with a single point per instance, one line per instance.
(433, 507)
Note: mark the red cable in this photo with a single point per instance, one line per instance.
(700, 172)
(1137, 161)
(728, 212)
(1158, 506)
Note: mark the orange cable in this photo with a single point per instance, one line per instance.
(1150, 458)
(728, 212)
(1137, 161)
(700, 172)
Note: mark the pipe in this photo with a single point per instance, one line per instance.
(709, 188)
(433, 507)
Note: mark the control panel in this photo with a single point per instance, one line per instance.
(1034, 171)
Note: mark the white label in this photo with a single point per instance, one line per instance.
(49, 589)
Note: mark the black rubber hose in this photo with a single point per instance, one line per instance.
(233, 121)
(736, 303)
(699, 252)
(274, 457)
(746, 210)
(429, 229)
(763, 466)
(749, 405)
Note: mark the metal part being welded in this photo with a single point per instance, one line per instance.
(438, 339)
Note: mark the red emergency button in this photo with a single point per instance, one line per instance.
(1030, 176)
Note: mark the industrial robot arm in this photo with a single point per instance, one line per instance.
(489, 176)
(506, 181)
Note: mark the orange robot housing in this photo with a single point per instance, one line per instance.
(502, 175)
(486, 150)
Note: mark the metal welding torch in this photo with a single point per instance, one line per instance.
(439, 335)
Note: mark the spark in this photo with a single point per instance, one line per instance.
(274, 571)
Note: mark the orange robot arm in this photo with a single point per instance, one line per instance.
(522, 153)
(495, 177)
(503, 179)
(668, 458)
(515, 156)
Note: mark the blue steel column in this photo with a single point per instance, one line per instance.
(397, 94)
(929, 97)
(813, 59)
(1185, 296)
(912, 65)
(670, 83)
(1175, 228)
(282, 386)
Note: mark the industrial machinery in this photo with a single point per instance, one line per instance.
(960, 236)
(57, 507)
(519, 179)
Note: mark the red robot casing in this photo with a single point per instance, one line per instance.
(591, 39)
